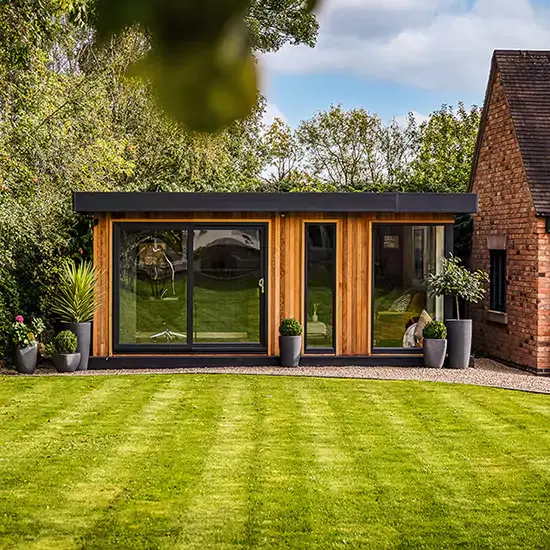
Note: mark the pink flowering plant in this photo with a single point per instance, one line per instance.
(26, 334)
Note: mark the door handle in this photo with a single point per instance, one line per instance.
(261, 284)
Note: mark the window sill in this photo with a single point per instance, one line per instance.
(497, 317)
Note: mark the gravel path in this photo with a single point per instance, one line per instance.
(486, 373)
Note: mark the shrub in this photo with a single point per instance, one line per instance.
(456, 281)
(290, 327)
(74, 301)
(435, 330)
(26, 335)
(65, 342)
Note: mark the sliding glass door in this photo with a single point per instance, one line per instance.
(185, 287)
(228, 285)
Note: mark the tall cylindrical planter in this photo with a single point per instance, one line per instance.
(83, 332)
(434, 353)
(26, 359)
(459, 349)
(291, 349)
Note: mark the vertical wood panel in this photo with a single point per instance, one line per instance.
(370, 297)
(101, 262)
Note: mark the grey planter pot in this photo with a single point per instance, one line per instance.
(66, 362)
(291, 350)
(434, 353)
(26, 359)
(83, 332)
(459, 335)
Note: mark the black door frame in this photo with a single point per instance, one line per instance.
(332, 349)
(190, 346)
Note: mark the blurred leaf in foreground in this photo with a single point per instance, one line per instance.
(201, 63)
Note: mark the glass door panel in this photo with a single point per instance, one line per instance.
(228, 285)
(404, 256)
(152, 286)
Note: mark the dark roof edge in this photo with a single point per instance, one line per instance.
(484, 115)
(449, 203)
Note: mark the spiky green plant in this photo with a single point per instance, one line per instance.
(75, 301)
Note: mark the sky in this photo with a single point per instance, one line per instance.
(396, 56)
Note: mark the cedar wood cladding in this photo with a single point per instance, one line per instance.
(286, 240)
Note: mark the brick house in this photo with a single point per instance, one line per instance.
(511, 240)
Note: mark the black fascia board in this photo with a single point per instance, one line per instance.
(450, 203)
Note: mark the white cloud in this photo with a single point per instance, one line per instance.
(271, 113)
(419, 117)
(431, 44)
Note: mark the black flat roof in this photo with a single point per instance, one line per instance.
(449, 203)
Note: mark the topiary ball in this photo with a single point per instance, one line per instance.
(290, 327)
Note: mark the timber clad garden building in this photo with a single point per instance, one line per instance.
(205, 279)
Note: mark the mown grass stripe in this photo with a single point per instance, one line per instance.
(35, 405)
(280, 508)
(216, 515)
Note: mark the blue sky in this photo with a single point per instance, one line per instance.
(396, 56)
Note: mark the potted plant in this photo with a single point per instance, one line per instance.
(25, 338)
(75, 304)
(434, 344)
(63, 351)
(456, 281)
(290, 342)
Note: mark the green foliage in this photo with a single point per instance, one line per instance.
(200, 60)
(456, 281)
(290, 327)
(64, 343)
(24, 334)
(447, 145)
(74, 301)
(435, 330)
(356, 151)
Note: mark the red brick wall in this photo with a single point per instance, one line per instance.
(543, 329)
(506, 208)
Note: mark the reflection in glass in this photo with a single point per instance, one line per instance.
(404, 255)
(227, 285)
(153, 286)
(321, 247)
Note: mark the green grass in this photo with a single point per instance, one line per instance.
(262, 462)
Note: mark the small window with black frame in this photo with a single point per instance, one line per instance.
(498, 281)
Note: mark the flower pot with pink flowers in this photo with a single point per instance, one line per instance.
(25, 338)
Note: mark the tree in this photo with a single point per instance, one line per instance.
(283, 156)
(355, 151)
(447, 145)
(456, 281)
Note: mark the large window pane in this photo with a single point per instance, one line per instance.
(321, 247)
(153, 286)
(227, 285)
(404, 255)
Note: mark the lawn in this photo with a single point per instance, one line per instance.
(172, 461)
